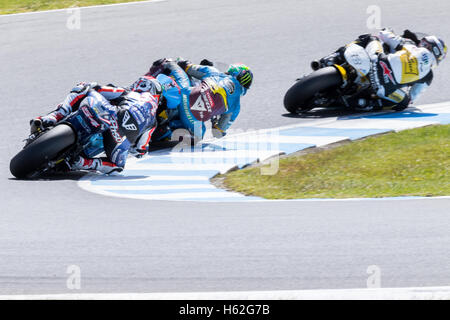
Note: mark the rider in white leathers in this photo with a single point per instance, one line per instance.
(402, 66)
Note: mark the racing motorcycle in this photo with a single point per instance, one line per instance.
(336, 85)
(51, 149)
(160, 138)
(347, 84)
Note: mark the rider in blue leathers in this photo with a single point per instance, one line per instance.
(127, 116)
(211, 95)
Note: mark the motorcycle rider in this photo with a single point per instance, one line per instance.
(402, 66)
(128, 115)
(212, 95)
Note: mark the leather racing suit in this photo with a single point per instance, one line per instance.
(401, 70)
(404, 66)
(212, 95)
(128, 118)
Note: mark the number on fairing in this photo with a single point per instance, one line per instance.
(358, 58)
(199, 105)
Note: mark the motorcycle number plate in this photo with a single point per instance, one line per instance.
(358, 58)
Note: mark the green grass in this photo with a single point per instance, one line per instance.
(409, 163)
(18, 6)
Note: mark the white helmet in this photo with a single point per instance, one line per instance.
(436, 46)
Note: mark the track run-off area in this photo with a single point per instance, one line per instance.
(184, 173)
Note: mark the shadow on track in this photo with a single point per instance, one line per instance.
(75, 175)
(323, 113)
(342, 114)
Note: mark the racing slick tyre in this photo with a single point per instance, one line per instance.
(297, 97)
(45, 148)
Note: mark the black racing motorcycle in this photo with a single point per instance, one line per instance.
(51, 149)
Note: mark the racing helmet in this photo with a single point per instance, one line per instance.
(434, 45)
(242, 73)
(147, 84)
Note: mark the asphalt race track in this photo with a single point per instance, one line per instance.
(124, 245)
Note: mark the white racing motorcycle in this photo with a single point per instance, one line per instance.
(348, 84)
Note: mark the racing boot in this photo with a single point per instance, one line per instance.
(315, 65)
(334, 58)
(95, 164)
(40, 123)
(206, 62)
(159, 67)
(36, 125)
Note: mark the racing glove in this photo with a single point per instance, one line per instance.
(36, 125)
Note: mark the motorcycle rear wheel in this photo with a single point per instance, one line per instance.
(297, 97)
(38, 153)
